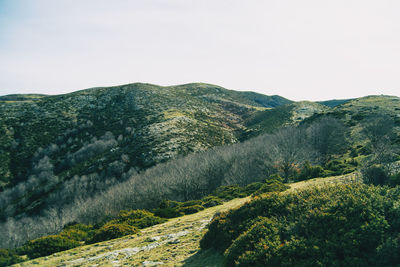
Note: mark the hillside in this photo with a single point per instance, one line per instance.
(268, 120)
(357, 113)
(358, 109)
(83, 157)
(108, 134)
(146, 123)
(21, 97)
(174, 243)
(334, 102)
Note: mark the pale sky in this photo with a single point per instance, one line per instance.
(309, 49)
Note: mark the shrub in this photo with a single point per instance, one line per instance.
(78, 232)
(168, 213)
(229, 192)
(395, 179)
(258, 245)
(191, 209)
(253, 187)
(388, 252)
(172, 209)
(8, 257)
(273, 185)
(169, 204)
(338, 167)
(227, 226)
(138, 218)
(375, 175)
(211, 201)
(309, 172)
(113, 230)
(47, 245)
(354, 225)
(168, 209)
(191, 203)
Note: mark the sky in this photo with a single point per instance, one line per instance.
(302, 50)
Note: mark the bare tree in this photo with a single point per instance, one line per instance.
(379, 131)
(289, 149)
(327, 136)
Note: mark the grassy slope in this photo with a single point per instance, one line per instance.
(174, 243)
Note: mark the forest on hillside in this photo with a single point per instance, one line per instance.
(318, 147)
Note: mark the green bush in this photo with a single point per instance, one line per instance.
(253, 187)
(191, 203)
(111, 231)
(341, 225)
(353, 152)
(375, 175)
(8, 257)
(172, 209)
(138, 218)
(229, 192)
(78, 232)
(395, 179)
(191, 209)
(388, 252)
(273, 185)
(168, 213)
(338, 167)
(309, 172)
(168, 209)
(261, 240)
(47, 245)
(169, 204)
(227, 226)
(211, 201)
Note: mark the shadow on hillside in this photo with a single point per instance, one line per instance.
(205, 258)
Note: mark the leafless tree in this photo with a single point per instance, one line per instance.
(289, 149)
(379, 131)
(327, 136)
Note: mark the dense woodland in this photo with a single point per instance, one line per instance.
(87, 174)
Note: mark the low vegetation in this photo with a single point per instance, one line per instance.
(355, 225)
(128, 222)
(106, 162)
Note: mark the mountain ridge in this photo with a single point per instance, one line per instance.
(81, 144)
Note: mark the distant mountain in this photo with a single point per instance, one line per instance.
(21, 97)
(334, 102)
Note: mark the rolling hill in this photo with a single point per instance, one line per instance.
(145, 123)
(61, 152)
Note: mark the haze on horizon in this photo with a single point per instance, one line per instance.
(312, 49)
